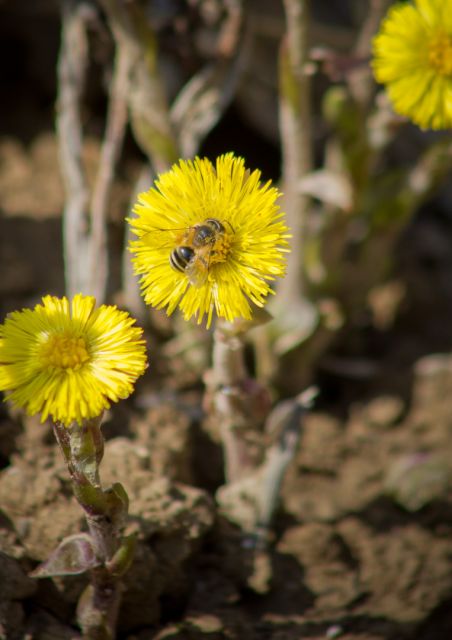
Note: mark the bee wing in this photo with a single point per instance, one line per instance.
(197, 271)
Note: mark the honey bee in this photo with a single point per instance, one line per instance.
(193, 255)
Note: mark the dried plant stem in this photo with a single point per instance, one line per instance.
(72, 63)
(360, 80)
(284, 428)
(295, 126)
(111, 148)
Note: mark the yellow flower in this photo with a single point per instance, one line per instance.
(69, 360)
(210, 238)
(413, 57)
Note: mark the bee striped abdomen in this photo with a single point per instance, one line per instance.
(180, 257)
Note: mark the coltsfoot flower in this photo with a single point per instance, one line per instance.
(210, 239)
(413, 58)
(69, 360)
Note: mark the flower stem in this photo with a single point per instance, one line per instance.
(232, 406)
(296, 127)
(83, 447)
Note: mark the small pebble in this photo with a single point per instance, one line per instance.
(335, 631)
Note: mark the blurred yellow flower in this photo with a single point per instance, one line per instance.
(413, 58)
(69, 360)
(210, 239)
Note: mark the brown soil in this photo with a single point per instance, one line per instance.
(362, 546)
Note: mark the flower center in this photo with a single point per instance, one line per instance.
(64, 351)
(440, 53)
(220, 249)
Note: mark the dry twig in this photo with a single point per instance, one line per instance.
(360, 80)
(72, 63)
(295, 126)
(111, 148)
